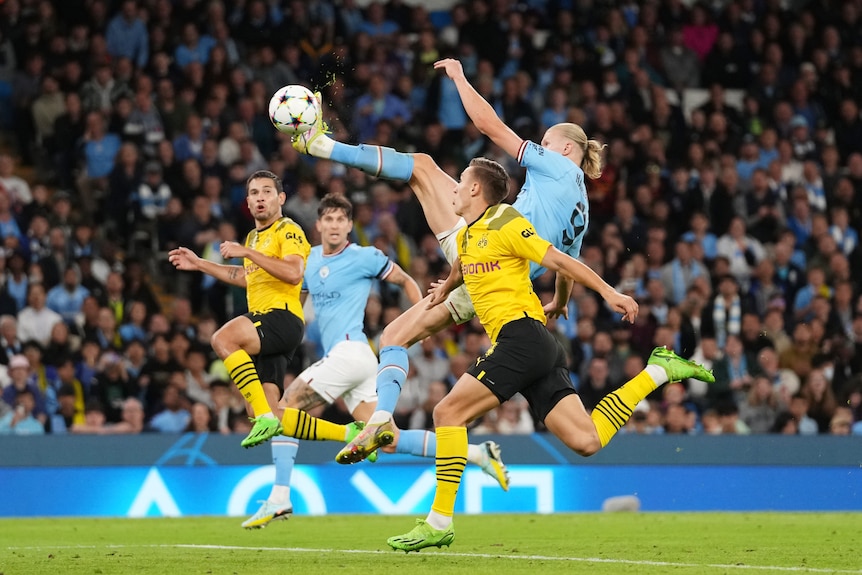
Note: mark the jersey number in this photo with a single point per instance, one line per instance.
(577, 230)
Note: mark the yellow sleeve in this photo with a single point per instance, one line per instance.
(523, 241)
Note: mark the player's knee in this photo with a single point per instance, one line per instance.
(584, 444)
(392, 335)
(223, 342)
(445, 415)
(218, 341)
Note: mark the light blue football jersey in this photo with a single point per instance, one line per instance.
(554, 199)
(339, 284)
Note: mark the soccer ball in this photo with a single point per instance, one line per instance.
(293, 109)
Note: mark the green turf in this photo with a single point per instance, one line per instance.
(645, 543)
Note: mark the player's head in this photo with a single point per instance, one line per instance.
(265, 196)
(334, 221)
(335, 202)
(492, 178)
(570, 140)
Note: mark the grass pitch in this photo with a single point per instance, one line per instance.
(644, 543)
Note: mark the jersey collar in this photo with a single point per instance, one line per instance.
(485, 213)
(336, 253)
(261, 230)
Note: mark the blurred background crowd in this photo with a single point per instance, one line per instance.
(730, 205)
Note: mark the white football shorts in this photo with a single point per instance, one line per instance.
(458, 303)
(349, 370)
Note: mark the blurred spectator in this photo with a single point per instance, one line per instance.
(36, 320)
(10, 343)
(841, 422)
(422, 416)
(378, 103)
(679, 62)
(174, 416)
(67, 415)
(197, 380)
(821, 399)
(742, 251)
(112, 386)
(126, 35)
(302, 206)
(679, 274)
(67, 298)
(228, 407)
(22, 378)
(510, 418)
(201, 420)
(761, 406)
(729, 420)
(21, 420)
(100, 150)
(17, 188)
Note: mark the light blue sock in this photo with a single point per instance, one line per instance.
(417, 442)
(377, 161)
(391, 375)
(283, 457)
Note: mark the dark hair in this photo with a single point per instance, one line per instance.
(331, 202)
(494, 179)
(268, 175)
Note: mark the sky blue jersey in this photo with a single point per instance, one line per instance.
(339, 284)
(554, 199)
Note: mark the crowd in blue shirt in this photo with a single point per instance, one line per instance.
(730, 203)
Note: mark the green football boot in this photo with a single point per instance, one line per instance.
(264, 429)
(422, 536)
(677, 368)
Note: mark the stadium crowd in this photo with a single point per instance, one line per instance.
(730, 204)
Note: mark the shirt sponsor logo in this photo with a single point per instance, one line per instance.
(323, 299)
(480, 268)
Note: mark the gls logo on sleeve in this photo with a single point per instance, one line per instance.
(293, 236)
(527, 233)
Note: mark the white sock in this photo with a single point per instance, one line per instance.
(475, 454)
(380, 417)
(657, 373)
(438, 521)
(280, 494)
(321, 146)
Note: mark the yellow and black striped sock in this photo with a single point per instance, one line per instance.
(615, 408)
(451, 460)
(243, 373)
(300, 425)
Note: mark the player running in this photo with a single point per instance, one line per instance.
(553, 197)
(494, 252)
(339, 277)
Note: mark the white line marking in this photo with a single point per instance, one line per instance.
(450, 554)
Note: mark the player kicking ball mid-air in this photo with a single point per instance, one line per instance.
(494, 253)
(553, 198)
(338, 277)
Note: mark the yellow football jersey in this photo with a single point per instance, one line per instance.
(265, 292)
(495, 252)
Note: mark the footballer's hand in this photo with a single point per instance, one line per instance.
(554, 309)
(625, 305)
(451, 67)
(437, 294)
(230, 250)
(184, 259)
